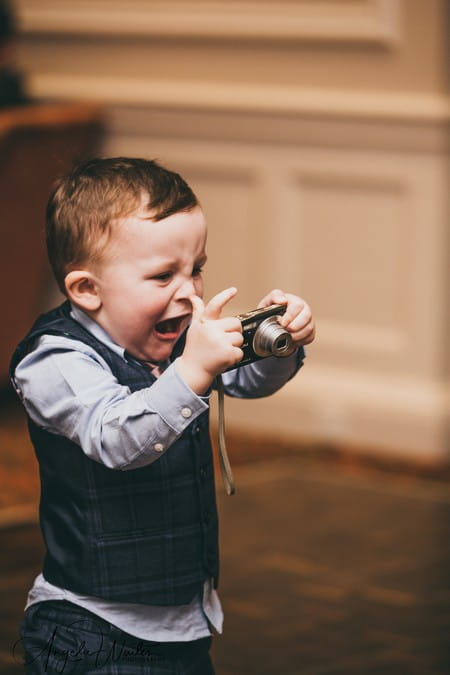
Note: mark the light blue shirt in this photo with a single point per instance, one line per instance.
(67, 388)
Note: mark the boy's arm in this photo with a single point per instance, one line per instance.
(69, 390)
(264, 377)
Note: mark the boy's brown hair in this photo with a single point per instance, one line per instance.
(85, 205)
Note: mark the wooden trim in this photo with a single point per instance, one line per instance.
(367, 21)
(58, 114)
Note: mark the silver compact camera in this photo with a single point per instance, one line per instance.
(263, 335)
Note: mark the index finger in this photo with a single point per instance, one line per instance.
(197, 306)
(214, 307)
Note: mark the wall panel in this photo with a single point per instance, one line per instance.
(315, 134)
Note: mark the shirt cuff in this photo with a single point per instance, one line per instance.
(174, 400)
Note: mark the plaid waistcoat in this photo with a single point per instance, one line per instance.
(147, 535)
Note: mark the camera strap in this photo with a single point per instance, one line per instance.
(225, 468)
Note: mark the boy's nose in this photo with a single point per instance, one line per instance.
(185, 290)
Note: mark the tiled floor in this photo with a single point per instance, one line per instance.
(323, 571)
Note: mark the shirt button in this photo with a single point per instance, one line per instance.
(158, 447)
(186, 412)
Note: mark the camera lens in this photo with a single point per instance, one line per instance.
(271, 339)
(281, 344)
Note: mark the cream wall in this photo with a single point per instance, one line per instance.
(315, 136)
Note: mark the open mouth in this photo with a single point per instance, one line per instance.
(170, 328)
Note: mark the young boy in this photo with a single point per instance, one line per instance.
(116, 384)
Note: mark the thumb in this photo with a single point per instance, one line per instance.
(214, 307)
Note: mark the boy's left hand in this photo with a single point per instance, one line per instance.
(297, 319)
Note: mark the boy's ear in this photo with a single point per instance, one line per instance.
(82, 290)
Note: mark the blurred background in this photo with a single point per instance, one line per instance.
(315, 134)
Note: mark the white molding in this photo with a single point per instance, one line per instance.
(367, 21)
(399, 417)
(227, 97)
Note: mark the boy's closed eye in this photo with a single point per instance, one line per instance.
(167, 276)
(198, 267)
(162, 276)
(197, 271)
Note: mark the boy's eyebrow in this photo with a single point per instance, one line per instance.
(169, 262)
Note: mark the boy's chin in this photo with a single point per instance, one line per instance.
(154, 350)
(157, 353)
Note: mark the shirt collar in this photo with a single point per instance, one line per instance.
(96, 330)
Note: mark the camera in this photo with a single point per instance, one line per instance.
(263, 335)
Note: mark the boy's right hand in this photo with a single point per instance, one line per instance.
(212, 343)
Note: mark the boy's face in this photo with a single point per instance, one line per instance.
(145, 279)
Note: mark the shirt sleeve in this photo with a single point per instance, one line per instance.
(263, 377)
(68, 389)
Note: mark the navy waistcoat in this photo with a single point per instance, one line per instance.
(148, 535)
